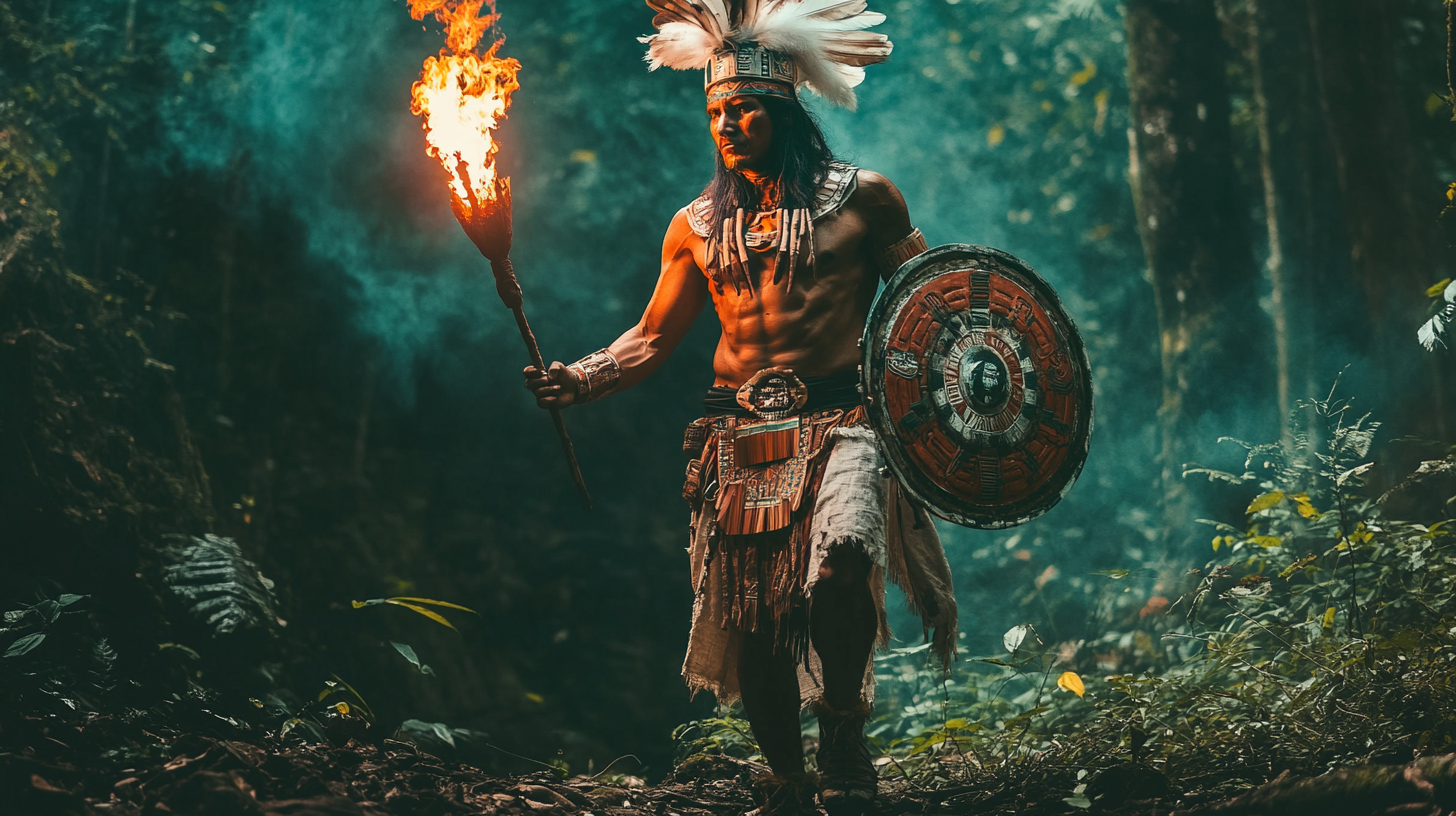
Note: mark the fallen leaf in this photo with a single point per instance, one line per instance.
(1069, 681)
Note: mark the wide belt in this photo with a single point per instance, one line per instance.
(823, 393)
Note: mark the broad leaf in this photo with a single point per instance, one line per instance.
(1265, 501)
(1069, 681)
(25, 644)
(423, 733)
(409, 654)
(1015, 636)
(1301, 502)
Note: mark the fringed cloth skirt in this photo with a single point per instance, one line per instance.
(761, 529)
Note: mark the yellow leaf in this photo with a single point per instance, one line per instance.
(341, 707)
(584, 156)
(434, 616)
(1265, 501)
(1267, 541)
(996, 135)
(1301, 501)
(534, 697)
(359, 604)
(1329, 622)
(1435, 291)
(1359, 535)
(1069, 681)
(435, 603)
(368, 712)
(1433, 104)
(1085, 75)
(1297, 566)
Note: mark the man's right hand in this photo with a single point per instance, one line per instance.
(553, 388)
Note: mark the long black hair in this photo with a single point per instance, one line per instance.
(799, 153)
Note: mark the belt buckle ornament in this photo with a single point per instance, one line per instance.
(773, 394)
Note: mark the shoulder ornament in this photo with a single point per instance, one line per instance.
(839, 184)
(700, 215)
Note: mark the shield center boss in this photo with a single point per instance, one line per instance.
(977, 384)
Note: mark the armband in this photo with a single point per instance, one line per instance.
(596, 375)
(901, 251)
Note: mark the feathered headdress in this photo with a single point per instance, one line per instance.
(768, 44)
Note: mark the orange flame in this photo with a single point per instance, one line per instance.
(463, 95)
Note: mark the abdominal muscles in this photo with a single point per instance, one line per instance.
(813, 329)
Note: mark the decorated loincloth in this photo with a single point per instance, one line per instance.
(773, 489)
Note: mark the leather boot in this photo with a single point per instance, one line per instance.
(847, 775)
(785, 796)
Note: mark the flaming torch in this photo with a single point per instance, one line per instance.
(462, 96)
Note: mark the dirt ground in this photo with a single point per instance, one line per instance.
(191, 760)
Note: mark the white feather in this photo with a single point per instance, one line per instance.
(826, 39)
(719, 10)
(681, 46)
(684, 11)
(1430, 333)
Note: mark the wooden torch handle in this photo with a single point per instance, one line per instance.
(509, 290)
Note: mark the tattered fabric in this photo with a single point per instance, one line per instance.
(848, 502)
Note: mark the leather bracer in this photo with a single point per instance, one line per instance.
(892, 258)
(596, 375)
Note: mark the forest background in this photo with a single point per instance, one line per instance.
(233, 301)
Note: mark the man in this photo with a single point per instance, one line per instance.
(794, 525)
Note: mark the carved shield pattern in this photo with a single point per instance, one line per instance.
(977, 384)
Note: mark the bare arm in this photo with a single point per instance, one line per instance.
(681, 292)
(888, 219)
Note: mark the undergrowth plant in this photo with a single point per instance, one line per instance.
(1321, 634)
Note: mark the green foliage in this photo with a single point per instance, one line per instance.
(225, 590)
(433, 736)
(726, 735)
(54, 659)
(339, 686)
(1322, 635)
(408, 652)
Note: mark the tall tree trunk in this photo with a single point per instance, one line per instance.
(1308, 264)
(1389, 195)
(1216, 376)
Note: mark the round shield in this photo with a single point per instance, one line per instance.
(977, 384)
